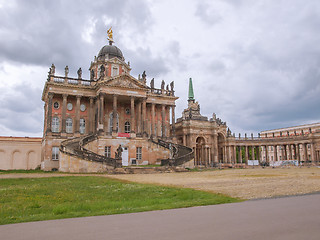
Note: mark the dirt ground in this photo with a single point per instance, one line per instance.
(241, 183)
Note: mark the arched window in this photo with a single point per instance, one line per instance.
(55, 124)
(82, 126)
(127, 128)
(69, 125)
(111, 121)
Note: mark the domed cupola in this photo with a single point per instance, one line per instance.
(110, 51)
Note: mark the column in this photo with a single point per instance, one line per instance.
(252, 153)
(162, 119)
(184, 140)
(99, 113)
(152, 119)
(209, 156)
(289, 152)
(285, 152)
(77, 110)
(167, 121)
(173, 120)
(144, 116)
(114, 119)
(215, 147)
(64, 112)
(49, 109)
(267, 157)
(298, 153)
(258, 154)
(312, 152)
(275, 153)
(139, 124)
(246, 156)
(132, 114)
(240, 154)
(304, 149)
(235, 154)
(91, 116)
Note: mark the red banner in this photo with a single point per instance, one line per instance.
(123, 134)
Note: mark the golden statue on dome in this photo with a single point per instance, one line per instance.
(110, 35)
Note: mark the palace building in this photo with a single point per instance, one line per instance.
(114, 119)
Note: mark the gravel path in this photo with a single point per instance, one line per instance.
(241, 183)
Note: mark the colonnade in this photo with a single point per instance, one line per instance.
(302, 152)
(90, 116)
(142, 115)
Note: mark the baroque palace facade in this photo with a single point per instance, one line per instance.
(113, 120)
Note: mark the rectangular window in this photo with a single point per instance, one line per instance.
(55, 124)
(69, 125)
(107, 151)
(55, 153)
(139, 153)
(115, 71)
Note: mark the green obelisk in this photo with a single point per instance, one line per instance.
(190, 95)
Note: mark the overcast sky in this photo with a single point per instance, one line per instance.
(255, 63)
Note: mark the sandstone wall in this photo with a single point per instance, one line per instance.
(20, 153)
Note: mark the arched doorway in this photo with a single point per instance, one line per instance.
(200, 153)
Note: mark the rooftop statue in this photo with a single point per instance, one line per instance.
(79, 73)
(163, 84)
(66, 71)
(52, 69)
(172, 86)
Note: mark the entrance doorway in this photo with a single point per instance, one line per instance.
(125, 156)
(200, 154)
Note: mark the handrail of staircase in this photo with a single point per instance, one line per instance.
(75, 147)
(180, 154)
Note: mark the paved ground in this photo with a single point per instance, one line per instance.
(282, 218)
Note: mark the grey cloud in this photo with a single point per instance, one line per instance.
(207, 14)
(21, 110)
(42, 32)
(143, 60)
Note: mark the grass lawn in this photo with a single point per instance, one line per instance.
(35, 199)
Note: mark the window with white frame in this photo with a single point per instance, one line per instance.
(55, 153)
(127, 127)
(82, 126)
(139, 153)
(55, 124)
(111, 122)
(69, 125)
(115, 71)
(107, 151)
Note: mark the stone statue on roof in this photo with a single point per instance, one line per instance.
(66, 71)
(52, 69)
(172, 86)
(162, 85)
(79, 73)
(152, 83)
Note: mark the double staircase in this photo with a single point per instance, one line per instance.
(76, 147)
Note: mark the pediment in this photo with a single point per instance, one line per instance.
(125, 81)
